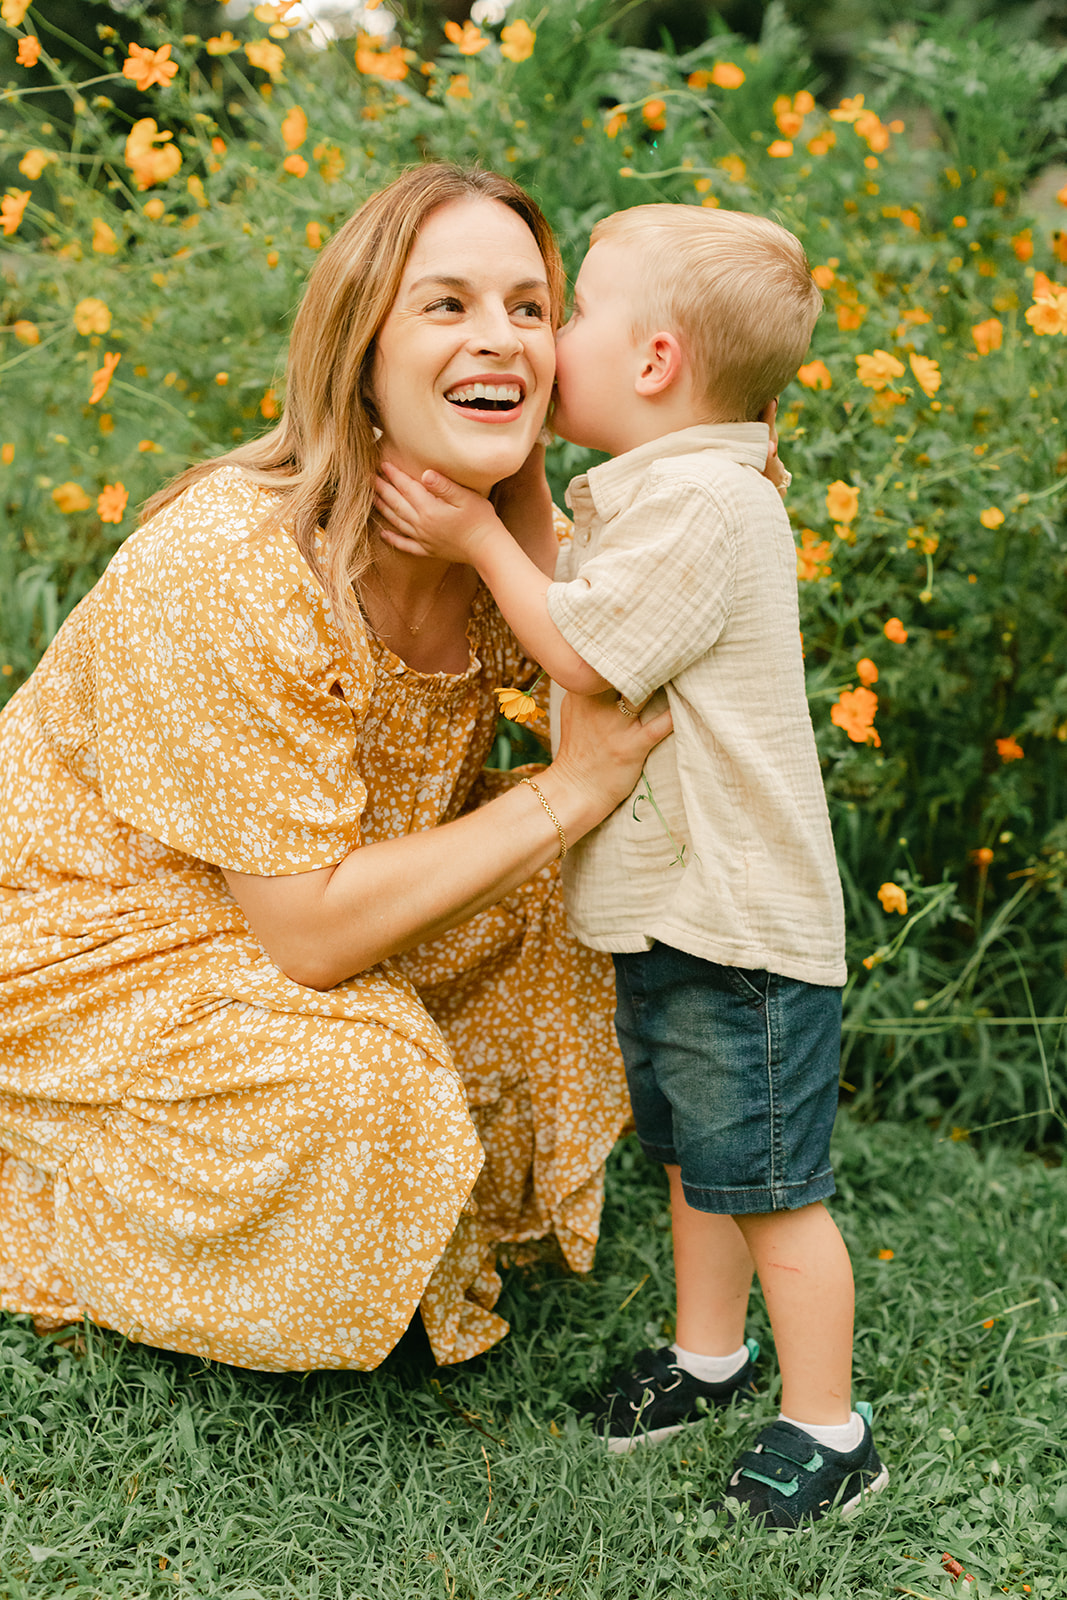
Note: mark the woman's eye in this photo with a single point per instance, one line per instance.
(533, 309)
(449, 303)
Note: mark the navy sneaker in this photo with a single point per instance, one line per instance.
(788, 1477)
(655, 1398)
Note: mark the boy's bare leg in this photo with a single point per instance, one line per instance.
(806, 1278)
(713, 1273)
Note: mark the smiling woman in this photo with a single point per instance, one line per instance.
(294, 1035)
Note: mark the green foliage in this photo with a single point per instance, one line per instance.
(929, 399)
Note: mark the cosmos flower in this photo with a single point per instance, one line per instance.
(518, 706)
(842, 501)
(92, 316)
(146, 67)
(103, 375)
(111, 502)
(854, 712)
(893, 898)
(517, 41)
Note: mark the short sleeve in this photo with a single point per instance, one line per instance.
(227, 705)
(657, 593)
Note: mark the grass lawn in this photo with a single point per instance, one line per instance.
(130, 1472)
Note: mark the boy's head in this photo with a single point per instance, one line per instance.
(710, 310)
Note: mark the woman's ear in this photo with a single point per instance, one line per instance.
(662, 362)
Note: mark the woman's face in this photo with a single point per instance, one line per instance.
(464, 361)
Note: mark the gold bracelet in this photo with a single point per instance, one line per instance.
(558, 825)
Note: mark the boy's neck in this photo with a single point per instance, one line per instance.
(645, 426)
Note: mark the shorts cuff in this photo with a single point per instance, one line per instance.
(761, 1201)
(662, 1154)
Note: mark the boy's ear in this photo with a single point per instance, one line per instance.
(661, 365)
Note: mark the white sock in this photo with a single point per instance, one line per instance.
(843, 1436)
(710, 1369)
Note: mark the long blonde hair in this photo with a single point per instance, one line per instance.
(322, 455)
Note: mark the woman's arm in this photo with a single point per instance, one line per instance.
(325, 926)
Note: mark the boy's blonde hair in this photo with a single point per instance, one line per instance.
(735, 288)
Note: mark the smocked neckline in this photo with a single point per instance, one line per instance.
(397, 668)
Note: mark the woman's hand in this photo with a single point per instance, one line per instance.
(434, 516)
(602, 748)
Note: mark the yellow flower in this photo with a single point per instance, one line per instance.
(13, 11)
(988, 335)
(848, 110)
(71, 497)
(780, 148)
(816, 375)
(518, 706)
(991, 517)
(105, 242)
(727, 75)
(459, 87)
(1048, 314)
(878, 370)
(468, 40)
(26, 332)
(269, 58)
(150, 447)
(804, 103)
(391, 64)
(734, 167)
(111, 503)
(223, 44)
(927, 375)
(824, 276)
(29, 51)
(102, 376)
(7, 454)
(842, 501)
(11, 208)
(154, 208)
(893, 898)
(314, 235)
(822, 142)
(331, 161)
(92, 316)
(812, 556)
(911, 219)
(149, 165)
(294, 127)
(146, 67)
(517, 41)
(895, 631)
(34, 162)
(295, 164)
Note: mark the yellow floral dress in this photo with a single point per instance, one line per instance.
(193, 1149)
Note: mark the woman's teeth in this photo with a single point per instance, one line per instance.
(502, 395)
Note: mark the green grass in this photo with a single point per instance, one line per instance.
(132, 1473)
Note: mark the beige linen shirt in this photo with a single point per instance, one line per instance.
(681, 575)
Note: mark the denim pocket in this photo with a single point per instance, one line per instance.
(749, 984)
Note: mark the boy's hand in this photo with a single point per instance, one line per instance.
(434, 516)
(775, 471)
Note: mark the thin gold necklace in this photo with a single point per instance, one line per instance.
(412, 627)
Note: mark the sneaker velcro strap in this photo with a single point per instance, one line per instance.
(782, 1452)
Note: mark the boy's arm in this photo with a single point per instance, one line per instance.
(437, 517)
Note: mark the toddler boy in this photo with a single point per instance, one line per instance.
(715, 887)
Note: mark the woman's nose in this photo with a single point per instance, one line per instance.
(494, 333)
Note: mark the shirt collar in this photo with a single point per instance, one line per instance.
(611, 486)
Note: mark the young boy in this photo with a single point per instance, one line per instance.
(716, 886)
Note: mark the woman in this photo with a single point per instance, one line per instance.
(293, 1035)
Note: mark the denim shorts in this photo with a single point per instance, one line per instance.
(733, 1077)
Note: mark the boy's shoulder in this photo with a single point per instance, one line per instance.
(735, 486)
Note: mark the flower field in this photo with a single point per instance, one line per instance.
(164, 196)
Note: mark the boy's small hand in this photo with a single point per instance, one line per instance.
(432, 517)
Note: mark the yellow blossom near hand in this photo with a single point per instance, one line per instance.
(866, 671)
(893, 898)
(988, 335)
(34, 162)
(468, 40)
(842, 501)
(111, 502)
(26, 332)
(102, 376)
(146, 67)
(149, 165)
(71, 497)
(991, 517)
(224, 44)
(518, 706)
(29, 50)
(294, 127)
(816, 375)
(895, 631)
(105, 240)
(92, 316)
(269, 58)
(878, 370)
(854, 712)
(13, 11)
(927, 374)
(1010, 749)
(517, 41)
(459, 87)
(11, 208)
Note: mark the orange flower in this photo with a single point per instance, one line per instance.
(146, 67)
(813, 556)
(517, 41)
(269, 58)
(268, 406)
(723, 74)
(29, 50)
(518, 706)
(102, 376)
(850, 315)
(1048, 314)
(927, 375)
(105, 240)
(824, 276)
(870, 127)
(1009, 749)
(804, 102)
(149, 165)
(223, 44)
(294, 127)
(1023, 244)
(295, 164)
(615, 123)
(893, 898)
(468, 40)
(878, 370)
(391, 64)
(911, 219)
(7, 454)
(733, 166)
(895, 631)
(822, 143)
(71, 497)
(991, 517)
(654, 114)
(816, 375)
(848, 110)
(150, 447)
(111, 503)
(780, 148)
(866, 671)
(982, 857)
(26, 332)
(11, 208)
(314, 235)
(842, 501)
(459, 87)
(886, 1255)
(13, 11)
(34, 162)
(92, 316)
(854, 712)
(988, 335)
(331, 161)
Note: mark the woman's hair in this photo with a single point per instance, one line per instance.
(735, 288)
(322, 456)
